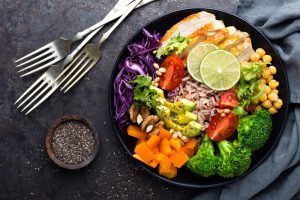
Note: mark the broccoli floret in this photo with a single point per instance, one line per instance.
(254, 130)
(235, 159)
(204, 163)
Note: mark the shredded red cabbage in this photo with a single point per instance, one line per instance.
(140, 62)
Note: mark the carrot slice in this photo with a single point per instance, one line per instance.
(140, 140)
(192, 143)
(188, 151)
(179, 158)
(153, 142)
(164, 147)
(144, 152)
(167, 171)
(175, 143)
(163, 133)
(152, 164)
(136, 132)
(163, 159)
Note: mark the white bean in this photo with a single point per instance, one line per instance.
(162, 70)
(156, 66)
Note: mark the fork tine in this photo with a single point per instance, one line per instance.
(35, 58)
(40, 68)
(80, 76)
(30, 88)
(69, 66)
(34, 52)
(75, 75)
(74, 68)
(37, 63)
(33, 93)
(36, 97)
(42, 100)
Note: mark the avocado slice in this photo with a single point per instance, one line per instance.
(159, 91)
(185, 118)
(192, 129)
(179, 107)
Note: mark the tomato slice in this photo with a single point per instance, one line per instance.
(174, 73)
(229, 100)
(221, 128)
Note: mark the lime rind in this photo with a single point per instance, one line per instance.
(220, 70)
(195, 57)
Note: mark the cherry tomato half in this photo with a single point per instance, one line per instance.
(174, 73)
(229, 100)
(220, 128)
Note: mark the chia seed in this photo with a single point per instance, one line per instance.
(73, 142)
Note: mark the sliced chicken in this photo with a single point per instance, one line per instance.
(195, 27)
(202, 27)
(233, 39)
(216, 37)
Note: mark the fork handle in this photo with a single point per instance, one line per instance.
(127, 12)
(108, 18)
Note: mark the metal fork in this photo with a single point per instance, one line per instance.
(47, 84)
(58, 49)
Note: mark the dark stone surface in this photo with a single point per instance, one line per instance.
(26, 171)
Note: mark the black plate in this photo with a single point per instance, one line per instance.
(185, 177)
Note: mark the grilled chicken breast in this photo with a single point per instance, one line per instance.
(202, 27)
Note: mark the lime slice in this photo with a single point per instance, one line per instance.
(220, 70)
(195, 57)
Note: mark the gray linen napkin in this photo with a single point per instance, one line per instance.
(278, 177)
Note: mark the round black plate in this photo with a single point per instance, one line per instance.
(185, 177)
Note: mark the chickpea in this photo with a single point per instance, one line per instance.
(269, 78)
(278, 104)
(268, 90)
(272, 110)
(273, 97)
(261, 52)
(273, 84)
(263, 98)
(267, 104)
(267, 58)
(263, 81)
(275, 91)
(272, 69)
(258, 108)
(266, 73)
(255, 57)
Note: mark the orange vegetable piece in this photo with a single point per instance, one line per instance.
(144, 152)
(192, 143)
(175, 143)
(164, 147)
(179, 158)
(153, 142)
(189, 152)
(155, 150)
(136, 132)
(152, 164)
(169, 172)
(163, 133)
(163, 159)
(140, 140)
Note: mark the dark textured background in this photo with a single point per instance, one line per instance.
(26, 172)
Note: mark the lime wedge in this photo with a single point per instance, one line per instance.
(195, 57)
(220, 70)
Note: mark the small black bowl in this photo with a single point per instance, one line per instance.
(186, 178)
(49, 138)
